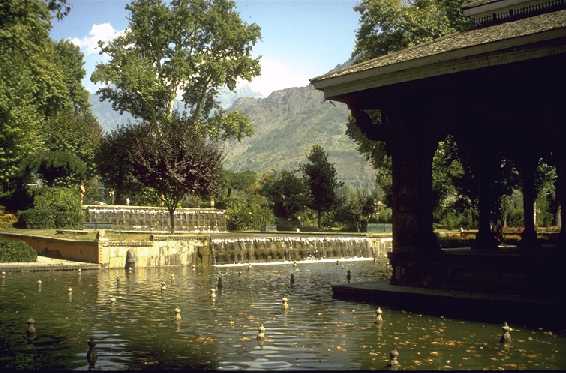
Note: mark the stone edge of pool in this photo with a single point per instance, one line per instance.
(458, 304)
(47, 264)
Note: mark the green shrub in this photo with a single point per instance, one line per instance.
(251, 213)
(16, 251)
(7, 220)
(53, 208)
(36, 218)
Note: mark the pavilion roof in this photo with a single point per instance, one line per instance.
(456, 41)
(474, 3)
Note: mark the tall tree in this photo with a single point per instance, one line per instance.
(320, 177)
(191, 48)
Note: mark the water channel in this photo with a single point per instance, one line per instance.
(134, 325)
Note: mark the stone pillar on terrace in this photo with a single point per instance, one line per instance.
(527, 167)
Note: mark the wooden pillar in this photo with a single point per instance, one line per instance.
(528, 167)
(561, 194)
(412, 193)
(485, 169)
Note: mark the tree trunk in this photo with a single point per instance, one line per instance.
(318, 219)
(172, 220)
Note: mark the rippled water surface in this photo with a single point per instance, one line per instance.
(139, 329)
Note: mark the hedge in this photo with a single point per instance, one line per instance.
(16, 251)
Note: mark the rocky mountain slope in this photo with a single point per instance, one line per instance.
(287, 124)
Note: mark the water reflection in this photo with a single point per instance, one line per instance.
(134, 326)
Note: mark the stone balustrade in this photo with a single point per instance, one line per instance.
(149, 218)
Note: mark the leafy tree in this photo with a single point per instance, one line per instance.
(175, 160)
(114, 161)
(189, 47)
(287, 194)
(320, 177)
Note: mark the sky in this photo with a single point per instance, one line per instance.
(301, 39)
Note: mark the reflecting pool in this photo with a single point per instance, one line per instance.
(131, 317)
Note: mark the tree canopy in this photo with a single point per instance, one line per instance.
(43, 106)
(187, 48)
(390, 25)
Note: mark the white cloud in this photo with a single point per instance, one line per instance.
(276, 75)
(89, 43)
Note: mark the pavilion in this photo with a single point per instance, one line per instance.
(499, 88)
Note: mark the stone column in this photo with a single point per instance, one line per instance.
(528, 167)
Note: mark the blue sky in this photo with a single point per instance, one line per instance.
(300, 38)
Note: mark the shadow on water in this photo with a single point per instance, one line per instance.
(134, 325)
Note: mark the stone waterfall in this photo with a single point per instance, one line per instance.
(280, 248)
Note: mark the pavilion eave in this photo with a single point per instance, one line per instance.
(500, 44)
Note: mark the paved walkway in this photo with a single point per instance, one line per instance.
(44, 263)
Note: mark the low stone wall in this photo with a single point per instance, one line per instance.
(61, 248)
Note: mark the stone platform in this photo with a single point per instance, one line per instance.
(539, 312)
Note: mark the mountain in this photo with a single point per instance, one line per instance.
(108, 117)
(287, 124)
